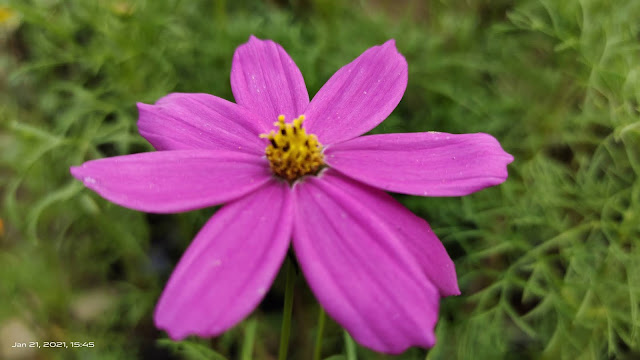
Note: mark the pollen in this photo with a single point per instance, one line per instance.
(292, 153)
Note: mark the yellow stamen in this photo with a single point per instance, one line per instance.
(291, 151)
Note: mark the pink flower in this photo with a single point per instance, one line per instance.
(375, 267)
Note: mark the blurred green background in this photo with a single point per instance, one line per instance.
(548, 262)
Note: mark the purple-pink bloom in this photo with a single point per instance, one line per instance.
(375, 267)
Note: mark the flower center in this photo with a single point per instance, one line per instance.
(292, 152)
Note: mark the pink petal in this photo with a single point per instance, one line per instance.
(427, 164)
(356, 262)
(265, 80)
(359, 96)
(173, 181)
(413, 231)
(181, 121)
(229, 266)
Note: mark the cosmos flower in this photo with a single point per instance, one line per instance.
(294, 171)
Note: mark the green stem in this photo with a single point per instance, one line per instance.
(249, 339)
(350, 345)
(288, 309)
(321, 320)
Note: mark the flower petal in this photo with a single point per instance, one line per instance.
(413, 231)
(182, 121)
(359, 96)
(356, 264)
(426, 164)
(173, 181)
(265, 80)
(230, 265)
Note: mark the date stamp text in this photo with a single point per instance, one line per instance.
(54, 344)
